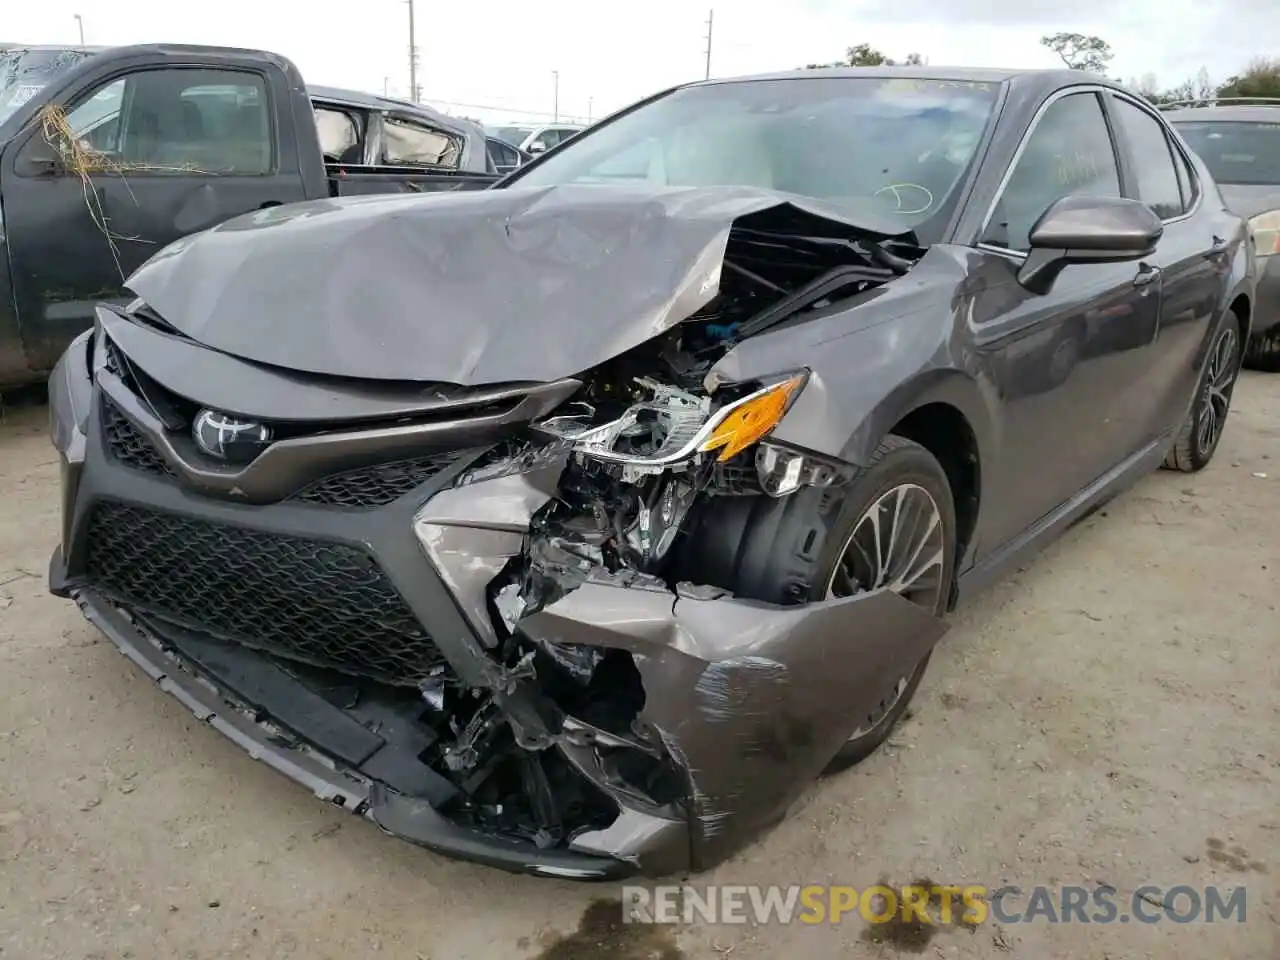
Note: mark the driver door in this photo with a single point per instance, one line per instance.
(1064, 364)
(139, 158)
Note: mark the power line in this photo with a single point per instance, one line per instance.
(495, 108)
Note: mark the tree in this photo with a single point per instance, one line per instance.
(865, 55)
(1147, 85)
(1260, 79)
(1205, 89)
(1080, 52)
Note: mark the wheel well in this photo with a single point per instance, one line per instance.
(1240, 307)
(943, 430)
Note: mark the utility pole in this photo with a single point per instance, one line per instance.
(414, 94)
(80, 24)
(555, 103)
(590, 102)
(386, 86)
(710, 15)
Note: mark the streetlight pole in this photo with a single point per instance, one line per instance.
(590, 102)
(555, 102)
(710, 15)
(80, 24)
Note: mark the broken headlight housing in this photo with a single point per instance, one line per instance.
(672, 428)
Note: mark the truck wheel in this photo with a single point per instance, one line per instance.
(892, 527)
(1264, 351)
(1199, 435)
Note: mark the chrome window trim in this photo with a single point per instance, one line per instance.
(1095, 89)
(1174, 146)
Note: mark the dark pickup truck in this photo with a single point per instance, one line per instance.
(107, 155)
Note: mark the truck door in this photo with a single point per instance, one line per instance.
(132, 161)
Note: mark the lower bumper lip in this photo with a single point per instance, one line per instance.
(405, 817)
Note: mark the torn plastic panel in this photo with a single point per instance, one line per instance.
(750, 700)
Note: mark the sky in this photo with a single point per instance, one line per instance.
(497, 60)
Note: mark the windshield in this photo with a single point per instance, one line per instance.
(899, 144)
(1245, 153)
(24, 71)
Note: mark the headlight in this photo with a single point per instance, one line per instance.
(1266, 230)
(675, 426)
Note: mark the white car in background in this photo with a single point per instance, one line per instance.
(537, 139)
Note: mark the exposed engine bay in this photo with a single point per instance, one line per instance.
(643, 446)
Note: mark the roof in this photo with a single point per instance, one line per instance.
(1227, 114)
(1032, 80)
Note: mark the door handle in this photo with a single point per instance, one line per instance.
(1146, 274)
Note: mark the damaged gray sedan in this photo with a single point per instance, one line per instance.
(575, 526)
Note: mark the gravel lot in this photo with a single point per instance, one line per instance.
(1109, 715)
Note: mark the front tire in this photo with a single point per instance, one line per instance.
(1198, 438)
(815, 544)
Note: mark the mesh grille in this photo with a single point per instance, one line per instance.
(376, 485)
(323, 603)
(126, 443)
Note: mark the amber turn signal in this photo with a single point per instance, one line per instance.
(749, 421)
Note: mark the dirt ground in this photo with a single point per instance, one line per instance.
(1107, 716)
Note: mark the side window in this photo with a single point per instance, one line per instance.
(406, 141)
(1152, 159)
(1188, 183)
(339, 134)
(1068, 154)
(95, 124)
(186, 122)
(504, 155)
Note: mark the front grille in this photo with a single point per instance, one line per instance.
(323, 603)
(376, 485)
(127, 444)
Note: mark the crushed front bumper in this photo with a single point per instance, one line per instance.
(407, 817)
(747, 701)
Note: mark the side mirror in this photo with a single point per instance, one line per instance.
(537, 147)
(1088, 230)
(39, 158)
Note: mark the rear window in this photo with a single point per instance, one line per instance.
(24, 72)
(1244, 153)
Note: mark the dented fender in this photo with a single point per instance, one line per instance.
(751, 700)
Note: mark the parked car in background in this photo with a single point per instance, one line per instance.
(1239, 141)
(107, 155)
(505, 157)
(535, 140)
(576, 525)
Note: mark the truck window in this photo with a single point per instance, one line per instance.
(416, 143)
(181, 121)
(339, 134)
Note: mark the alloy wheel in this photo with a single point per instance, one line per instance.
(898, 544)
(1220, 378)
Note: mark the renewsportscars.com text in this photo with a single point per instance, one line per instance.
(932, 904)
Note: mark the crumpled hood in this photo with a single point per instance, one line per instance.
(493, 286)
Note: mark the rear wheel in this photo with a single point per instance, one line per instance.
(1264, 351)
(894, 528)
(1198, 438)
